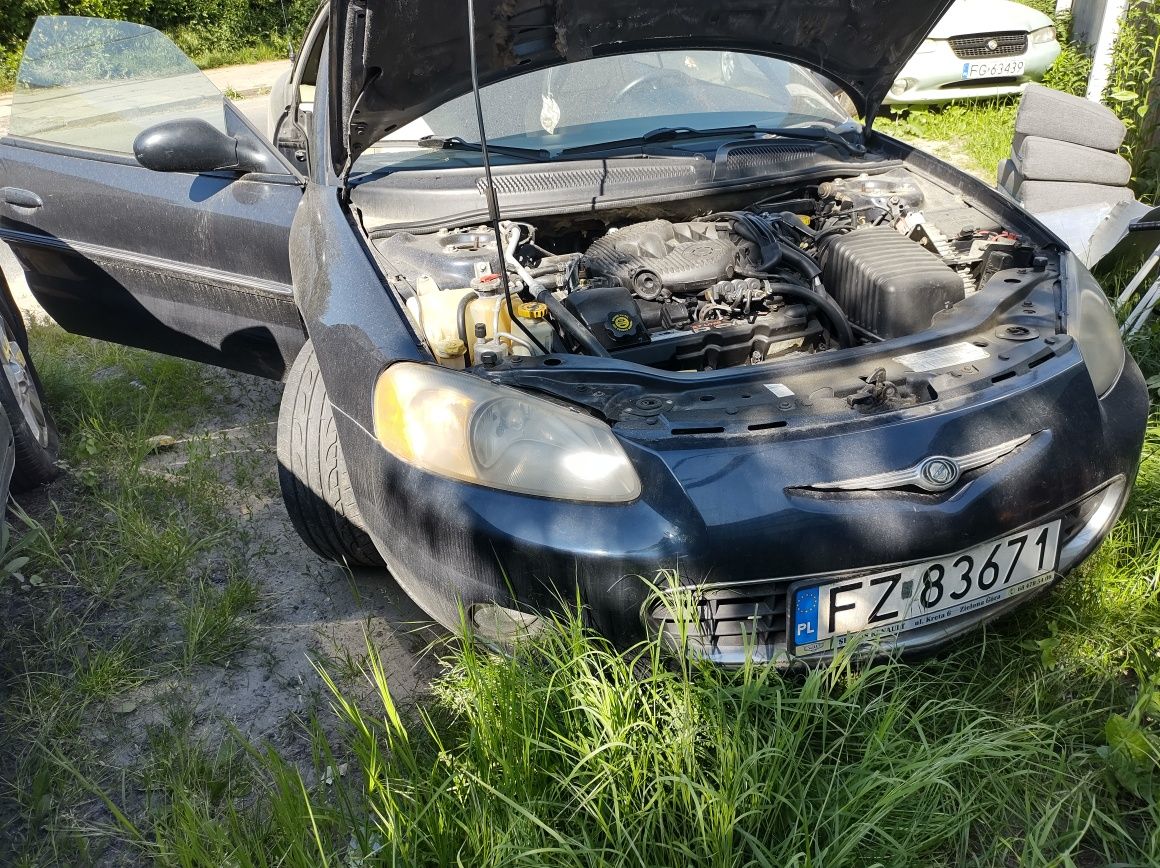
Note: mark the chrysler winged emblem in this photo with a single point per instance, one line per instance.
(934, 473)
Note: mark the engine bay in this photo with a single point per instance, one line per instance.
(813, 268)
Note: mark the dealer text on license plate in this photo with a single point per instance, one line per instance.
(825, 615)
(993, 69)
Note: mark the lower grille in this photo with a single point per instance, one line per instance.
(989, 45)
(724, 624)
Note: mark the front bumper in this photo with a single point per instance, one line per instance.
(936, 75)
(735, 516)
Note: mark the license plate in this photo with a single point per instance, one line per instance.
(993, 69)
(825, 615)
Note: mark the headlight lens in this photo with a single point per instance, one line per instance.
(1093, 324)
(1042, 35)
(927, 46)
(460, 426)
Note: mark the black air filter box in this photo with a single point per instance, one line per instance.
(886, 283)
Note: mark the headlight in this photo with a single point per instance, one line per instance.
(1091, 321)
(466, 428)
(928, 46)
(1043, 35)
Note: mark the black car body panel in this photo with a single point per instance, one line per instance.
(381, 85)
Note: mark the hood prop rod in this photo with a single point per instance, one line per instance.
(348, 164)
(492, 202)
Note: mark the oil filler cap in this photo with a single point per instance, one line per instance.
(621, 325)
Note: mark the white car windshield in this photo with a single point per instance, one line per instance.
(611, 99)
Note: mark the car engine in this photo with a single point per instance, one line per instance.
(849, 261)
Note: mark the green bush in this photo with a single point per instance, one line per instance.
(211, 32)
(1132, 92)
(1047, 7)
(1071, 71)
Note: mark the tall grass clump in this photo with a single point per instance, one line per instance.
(568, 752)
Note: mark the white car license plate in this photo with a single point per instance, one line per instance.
(825, 615)
(993, 69)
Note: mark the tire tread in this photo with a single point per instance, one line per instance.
(312, 470)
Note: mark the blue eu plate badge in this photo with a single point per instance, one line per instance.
(805, 628)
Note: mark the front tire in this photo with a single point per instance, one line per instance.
(312, 470)
(34, 436)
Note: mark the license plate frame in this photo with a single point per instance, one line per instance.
(976, 69)
(1018, 567)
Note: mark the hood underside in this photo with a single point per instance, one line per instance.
(395, 60)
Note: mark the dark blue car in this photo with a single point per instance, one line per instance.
(677, 339)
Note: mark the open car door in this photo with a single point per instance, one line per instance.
(186, 262)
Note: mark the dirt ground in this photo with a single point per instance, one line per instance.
(309, 609)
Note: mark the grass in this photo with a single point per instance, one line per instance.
(207, 57)
(975, 134)
(568, 753)
(133, 574)
(214, 619)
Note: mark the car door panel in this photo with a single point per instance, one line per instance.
(192, 265)
(195, 265)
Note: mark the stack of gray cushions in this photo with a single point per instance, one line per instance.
(1065, 153)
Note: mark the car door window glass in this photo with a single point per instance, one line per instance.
(96, 84)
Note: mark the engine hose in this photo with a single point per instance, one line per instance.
(795, 222)
(461, 314)
(801, 262)
(571, 325)
(772, 249)
(509, 255)
(826, 306)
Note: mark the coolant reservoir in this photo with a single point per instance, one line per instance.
(534, 316)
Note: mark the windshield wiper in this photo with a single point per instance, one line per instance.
(455, 143)
(674, 134)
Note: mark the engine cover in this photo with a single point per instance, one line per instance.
(660, 258)
(886, 283)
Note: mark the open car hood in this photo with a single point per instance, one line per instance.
(392, 61)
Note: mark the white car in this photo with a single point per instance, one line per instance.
(979, 48)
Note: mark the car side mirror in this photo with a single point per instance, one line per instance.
(194, 145)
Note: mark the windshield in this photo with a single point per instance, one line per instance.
(613, 98)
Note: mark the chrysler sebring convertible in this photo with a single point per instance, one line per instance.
(580, 301)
